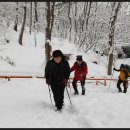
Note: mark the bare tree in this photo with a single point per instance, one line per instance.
(115, 9)
(69, 7)
(16, 19)
(35, 21)
(50, 21)
(84, 23)
(30, 17)
(23, 25)
(87, 8)
(36, 16)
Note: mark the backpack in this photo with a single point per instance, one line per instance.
(127, 67)
(82, 64)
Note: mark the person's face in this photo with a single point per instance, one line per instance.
(79, 62)
(123, 69)
(57, 59)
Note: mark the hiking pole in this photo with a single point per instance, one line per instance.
(49, 92)
(68, 95)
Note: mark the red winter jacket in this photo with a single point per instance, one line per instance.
(80, 70)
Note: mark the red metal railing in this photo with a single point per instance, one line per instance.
(91, 78)
(9, 77)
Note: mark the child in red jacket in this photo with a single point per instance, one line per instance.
(81, 70)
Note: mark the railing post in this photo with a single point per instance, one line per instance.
(105, 82)
(96, 82)
(8, 78)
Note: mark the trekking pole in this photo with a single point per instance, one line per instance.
(68, 95)
(49, 92)
(68, 83)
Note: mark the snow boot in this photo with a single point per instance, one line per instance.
(120, 91)
(76, 93)
(83, 92)
(58, 110)
(124, 91)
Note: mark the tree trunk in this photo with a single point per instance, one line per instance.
(52, 15)
(48, 50)
(88, 12)
(116, 6)
(30, 18)
(16, 20)
(75, 24)
(36, 17)
(23, 26)
(35, 21)
(50, 21)
(69, 21)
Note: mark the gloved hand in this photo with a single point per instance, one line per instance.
(84, 77)
(65, 82)
(47, 81)
(81, 75)
(114, 68)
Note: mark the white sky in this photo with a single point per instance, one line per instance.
(25, 103)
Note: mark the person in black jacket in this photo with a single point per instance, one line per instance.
(57, 72)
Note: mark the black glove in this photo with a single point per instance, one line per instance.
(65, 82)
(47, 81)
(114, 68)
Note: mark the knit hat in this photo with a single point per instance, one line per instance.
(79, 57)
(122, 66)
(57, 53)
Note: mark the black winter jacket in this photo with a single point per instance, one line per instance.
(57, 72)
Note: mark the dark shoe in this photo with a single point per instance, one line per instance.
(57, 106)
(124, 91)
(76, 93)
(120, 91)
(59, 109)
(83, 92)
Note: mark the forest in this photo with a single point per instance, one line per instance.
(88, 25)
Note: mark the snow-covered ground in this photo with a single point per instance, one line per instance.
(25, 103)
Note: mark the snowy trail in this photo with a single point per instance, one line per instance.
(25, 103)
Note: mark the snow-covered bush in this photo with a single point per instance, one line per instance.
(8, 60)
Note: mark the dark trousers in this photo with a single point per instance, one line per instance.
(125, 85)
(58, 94)
(74, 84)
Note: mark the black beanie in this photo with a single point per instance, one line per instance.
(122, 66)
(57, 53)
(79, 58)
